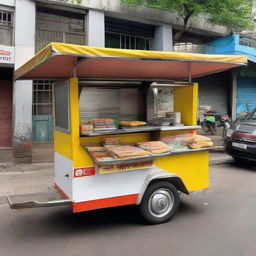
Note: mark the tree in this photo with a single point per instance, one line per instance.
(235, 14)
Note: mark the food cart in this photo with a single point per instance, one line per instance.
(109, 103)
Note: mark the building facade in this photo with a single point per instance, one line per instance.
(243, 90)
(26, 26)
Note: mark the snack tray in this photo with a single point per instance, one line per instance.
(119, 161)
(142, 158)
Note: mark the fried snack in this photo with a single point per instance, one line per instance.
(111, 141)
(103, 124)
(86, 127)
(155, 147)
(100, 153)
(102, 120)
(132, 123)
(124, 152)
(199, 141)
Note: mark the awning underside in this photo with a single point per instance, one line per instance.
(63, 62)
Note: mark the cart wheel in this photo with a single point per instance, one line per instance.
(160, 202)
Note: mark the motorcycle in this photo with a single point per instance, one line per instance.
(213, 120)
(208, 123)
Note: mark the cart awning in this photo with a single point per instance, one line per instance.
(62, 61)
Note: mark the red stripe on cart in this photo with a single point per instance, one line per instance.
(62, 193)
(104, 203)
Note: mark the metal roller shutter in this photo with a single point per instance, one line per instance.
(214, 91)
(246, 94)
(5, 114)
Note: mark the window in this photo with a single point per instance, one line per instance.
(126, 34)
(6, 28)
(123, 41)
(59, 26)
(6, 18)
(61, 94)
(42, 97)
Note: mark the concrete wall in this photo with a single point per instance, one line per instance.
(10, 3)
(152, 15)
(163, 38)
(22, 90)
(96, 28)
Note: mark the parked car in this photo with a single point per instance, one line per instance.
(240, 139)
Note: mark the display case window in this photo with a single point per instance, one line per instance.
(62, 107)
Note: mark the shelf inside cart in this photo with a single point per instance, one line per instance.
(139, 129)
(140, 159)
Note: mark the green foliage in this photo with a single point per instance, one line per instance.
(235, 14)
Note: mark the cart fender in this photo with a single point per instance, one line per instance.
(162, 175)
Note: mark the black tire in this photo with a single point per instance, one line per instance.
(205, 126)
(212, 128)
(161, 194)
(224, 131)
(241, 160)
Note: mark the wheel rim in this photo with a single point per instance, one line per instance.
(161, 202)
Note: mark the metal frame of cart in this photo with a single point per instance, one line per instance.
(154, 187)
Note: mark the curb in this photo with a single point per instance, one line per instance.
(226, 160)
(217, 149)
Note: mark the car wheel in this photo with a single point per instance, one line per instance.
(160, 202)
(240, 160)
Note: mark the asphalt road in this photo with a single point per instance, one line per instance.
(219, 222)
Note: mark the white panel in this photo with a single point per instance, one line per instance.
(62, 167)
(109, 185)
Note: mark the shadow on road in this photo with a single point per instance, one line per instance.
(243, 166)
(60, 221)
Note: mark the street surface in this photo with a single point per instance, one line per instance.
(218, 222)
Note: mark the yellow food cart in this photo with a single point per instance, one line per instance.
(115, 85)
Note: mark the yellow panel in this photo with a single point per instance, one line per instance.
(124, 138)
(74, 112)
(63, 144)
(168, 133)
(185, 101)
(193, 168)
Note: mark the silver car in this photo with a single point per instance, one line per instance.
(240, 139)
